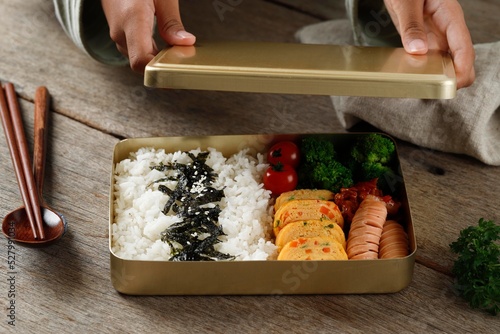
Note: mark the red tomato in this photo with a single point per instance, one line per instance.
(285, 152)
(280, 178)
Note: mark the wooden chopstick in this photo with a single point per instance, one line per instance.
(14, 154)
(42, 101)
(16, 138)
(15, 114)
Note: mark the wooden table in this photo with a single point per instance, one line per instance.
(66, 287)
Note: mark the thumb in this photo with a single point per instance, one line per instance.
(408, 18)
(170, 25)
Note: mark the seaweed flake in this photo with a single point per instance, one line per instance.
(194, 201)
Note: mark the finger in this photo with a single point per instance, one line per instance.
(131, 28)
(459, 42)
(116, 33)
(465, 75)
(408, 17)
(139, 37)
(122, 49)
(170, 24)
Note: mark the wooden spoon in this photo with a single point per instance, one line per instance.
(16, 224)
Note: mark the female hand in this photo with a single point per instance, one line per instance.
(435, 24)
(131, 25)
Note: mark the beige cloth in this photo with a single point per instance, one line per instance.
(468, 124)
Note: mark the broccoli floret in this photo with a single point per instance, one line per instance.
(316, 150)
(331, 176)
(371, 158)
(373, 148)
(319, 168)
(375, 170)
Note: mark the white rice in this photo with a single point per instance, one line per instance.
(246, 216)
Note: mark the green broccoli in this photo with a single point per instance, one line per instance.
(317, 149)
(371, 157)
(373, 148)
(319, 168)
(375, 170)
(372, 170)
(332, 175)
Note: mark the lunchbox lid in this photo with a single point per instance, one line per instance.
(293, 68)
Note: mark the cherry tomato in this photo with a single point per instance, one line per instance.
(285, 152)
(280, 178)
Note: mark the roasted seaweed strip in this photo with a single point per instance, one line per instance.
(194, 201)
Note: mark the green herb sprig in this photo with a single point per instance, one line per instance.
(477, 268)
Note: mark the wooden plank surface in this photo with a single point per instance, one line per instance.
(66, 288)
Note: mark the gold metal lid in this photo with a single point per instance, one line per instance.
(292, 68)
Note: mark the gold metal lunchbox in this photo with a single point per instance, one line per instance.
(271, 277)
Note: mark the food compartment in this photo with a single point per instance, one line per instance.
(262, 274)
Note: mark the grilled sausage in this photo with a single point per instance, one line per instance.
(366, 229)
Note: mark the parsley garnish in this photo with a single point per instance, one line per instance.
(477, 268)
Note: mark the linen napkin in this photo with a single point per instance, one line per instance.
(468, 124)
